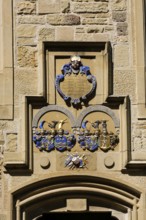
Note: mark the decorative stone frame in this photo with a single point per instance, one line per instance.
(100, 52)
(24, 162)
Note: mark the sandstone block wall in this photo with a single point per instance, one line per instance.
(37, 21)
(78, 20)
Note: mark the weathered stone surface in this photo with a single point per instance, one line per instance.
(23, 41)
(6, 111)
(83, 37)
(29, 19)
(46, 7)
(137, 132)
(90, 15)
(23, 83)
(47, 34)
(95, 15)
(137, 144)
(3, 217)
(122, 29)
(80, 30)
(89, 0)
(82, 0)
(77, 204)
(68, 19)
(1, 137)
(27, 56)
(26, 7)
(125, 83)
(90, 7)
(101, 21)
(26, 30)
(64, 34)
(118, 5)
(143, 144)
(91, 37)
(101, 0)
(144, 132)
(103, 15)
(8, 125)
(119, 16)
(33, 1)
(109, 28)
(96, 29)
(139, 138)
(121, 56)
(11, 142)
(121, 39)
(65, 6)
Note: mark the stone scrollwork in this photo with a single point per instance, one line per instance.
(75, 67)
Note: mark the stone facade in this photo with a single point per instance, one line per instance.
(36, 38)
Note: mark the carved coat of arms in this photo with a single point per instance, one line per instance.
(81, 83)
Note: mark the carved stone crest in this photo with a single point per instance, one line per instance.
(55, 137)
(99, 137)
(76, 84)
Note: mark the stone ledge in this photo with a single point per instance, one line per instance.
(136, 165)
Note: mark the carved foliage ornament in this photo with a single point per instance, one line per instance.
(76, 68)
(55, 137)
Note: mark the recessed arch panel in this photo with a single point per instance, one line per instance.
(52, 193)
(98, 108)
(50, 108)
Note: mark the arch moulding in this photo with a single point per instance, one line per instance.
(89, 193)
